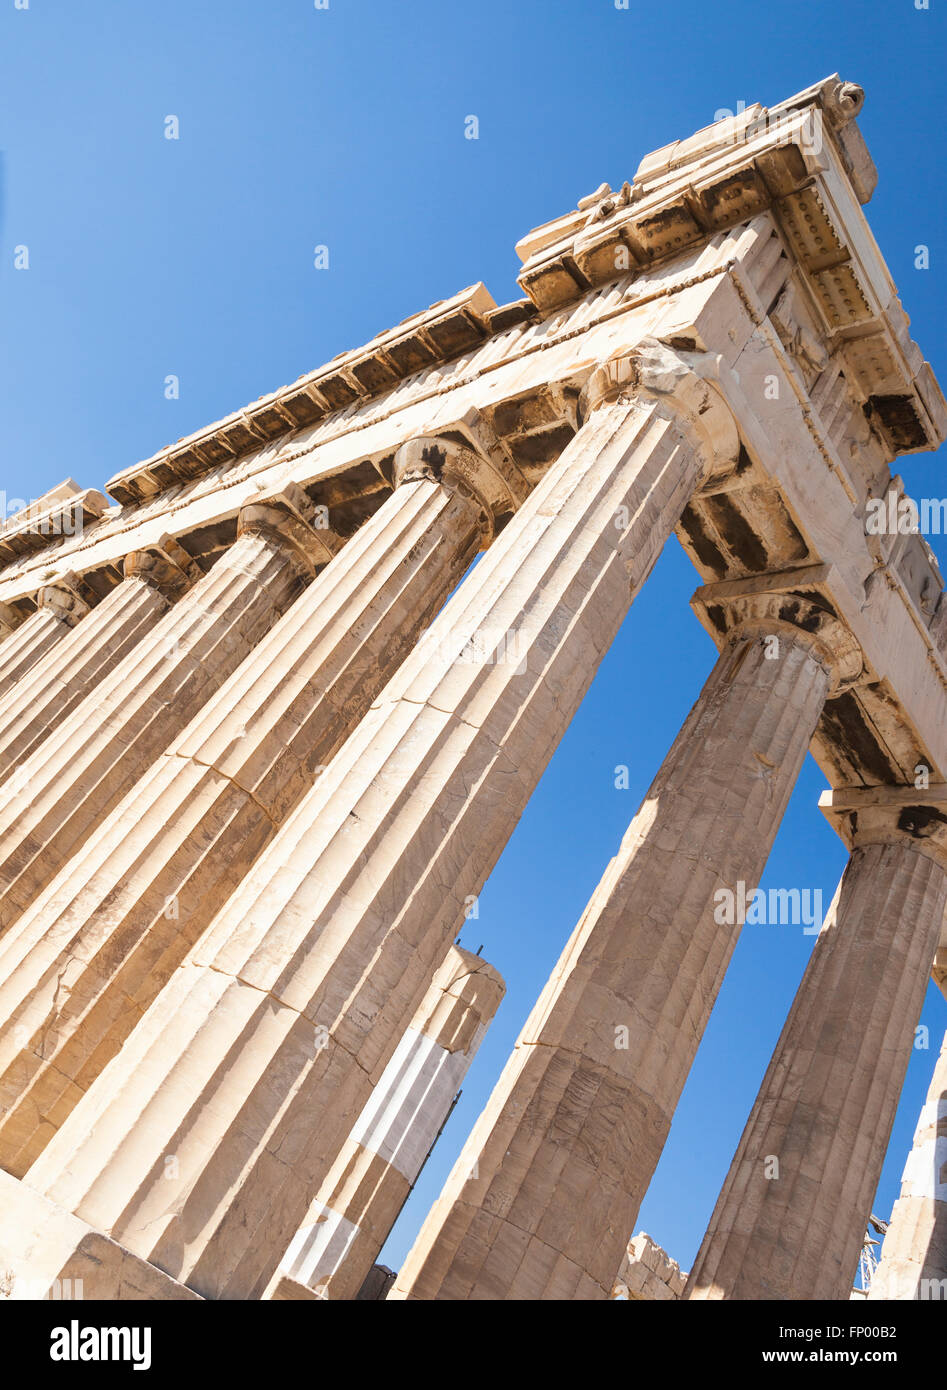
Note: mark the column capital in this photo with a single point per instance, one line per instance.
(793, 600)
(913, 816)
(656, 372)
(165, 566)
(288, 515)
(68, 597)
(466, 457)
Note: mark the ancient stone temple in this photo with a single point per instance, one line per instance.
(263, 738)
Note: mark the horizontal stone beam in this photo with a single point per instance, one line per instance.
(529, 382)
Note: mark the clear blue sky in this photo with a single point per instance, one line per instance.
(345, 127)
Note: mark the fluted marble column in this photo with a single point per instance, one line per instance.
(59, 608)
(350, 1220)
(87, 651)
(254, 1062)
(83, 768)
(26, 645)
(542, 1198)
(914, 1254)
(81, 964)
(792, 1213)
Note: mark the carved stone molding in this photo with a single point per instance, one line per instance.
(67, 510)
(842, 101)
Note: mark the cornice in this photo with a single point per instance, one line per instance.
(65, 511)
(434, 336)
(788, 159)
(804, 162)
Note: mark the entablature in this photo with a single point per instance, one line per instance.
(802, 162)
